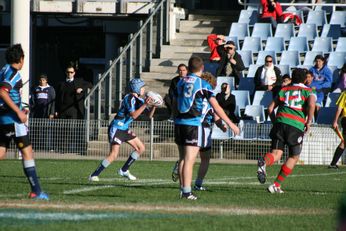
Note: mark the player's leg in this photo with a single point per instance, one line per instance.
(139, 149)
(203, 169)
(340, 149)
(112, 156)
(191, 153)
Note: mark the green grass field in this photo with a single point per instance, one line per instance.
(234, 200)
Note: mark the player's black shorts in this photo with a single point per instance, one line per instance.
(117, 136)
(188, 135)
(282, 134)
(18, 132)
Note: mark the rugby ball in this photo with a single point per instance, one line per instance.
(156, 99)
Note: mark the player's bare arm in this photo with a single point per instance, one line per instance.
(220, 112)
(139, 111)
(271, 109)
(336, 118)
(6, 98)
(311, 111)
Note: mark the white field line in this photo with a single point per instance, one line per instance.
(168, 209)
(88, 189)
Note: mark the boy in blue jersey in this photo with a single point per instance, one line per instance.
(13, 118)
(190, 94)
(131, 108)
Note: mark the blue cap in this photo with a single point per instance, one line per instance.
(135, 85)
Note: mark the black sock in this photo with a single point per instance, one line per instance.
(337, 154)
(132, 158)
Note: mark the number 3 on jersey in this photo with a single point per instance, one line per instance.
(293, 99)
(188, 90)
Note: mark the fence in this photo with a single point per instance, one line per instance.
(66, 139)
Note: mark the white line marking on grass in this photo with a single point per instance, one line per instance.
(87, 189)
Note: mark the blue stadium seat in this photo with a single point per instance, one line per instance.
(331, 99)
(338, 17)
(263, 98)
(317, 17)
(341, 44)
(253, 44)
(247, 58)
(276, 44)
(326, 115)
(285, 69)
(234, 39)
(337, 59)
(240, 30)
(285, 31)
(252, 70)
(218, 134)
(310, 57)
(223, 79)
(262, 30)
(308, 30)
(242, 99)
(247, 84)
(255, 111)
(248, 16)
(261, 57)
(290, 58)
(211, 67)
(299, 44)
(323, 44)
(331, 30)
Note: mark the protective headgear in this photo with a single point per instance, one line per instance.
(135, 85)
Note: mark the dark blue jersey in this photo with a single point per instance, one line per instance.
(10, 81)
(207, 114)
(190, 93)
(42, 99)
(123, 119)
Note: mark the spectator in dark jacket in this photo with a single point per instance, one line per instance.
(231, 63)
(227, 102)
(43, 99)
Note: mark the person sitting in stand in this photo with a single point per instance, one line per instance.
(215, 40)
(227, 101)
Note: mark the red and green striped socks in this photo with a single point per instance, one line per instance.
(284, 172)
(269, 159)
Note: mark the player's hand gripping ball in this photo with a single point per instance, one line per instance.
(156, 99)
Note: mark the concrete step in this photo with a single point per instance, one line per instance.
(187, 36)
(156, 75)
(163, 69)
(168, 62)
(177, 48)
(187, 56)
(204, 23)
(189, 42)
(208, 30)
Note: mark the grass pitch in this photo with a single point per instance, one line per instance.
(234, 200)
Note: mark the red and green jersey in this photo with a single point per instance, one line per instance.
(292, 105)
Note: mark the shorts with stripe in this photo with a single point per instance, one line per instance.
(117, 136)
(18, 132)
(187, 135)
(206, 138)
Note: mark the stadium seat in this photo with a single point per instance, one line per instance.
(252, 70)
(290, 58)
(308, 30)
(248, 16)
(224, 79)
(218, 134)
(253, 44)
(242, 98)
(276, 44)
(333, 31)
(326, 115)
(240, 30)
(247, 58)
(234, 39)
(285, 31)
(263, 98)
(317, 17)
(338, 17)
(310, 57)
(285, 69)
(331, 99)
(337, 59)
(211, 67)
(261, 57)
(323, 44)
(299, 44)
(247, 84)
(262, 30)
(341, 44)
(255, 111)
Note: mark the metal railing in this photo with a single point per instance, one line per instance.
(333, 5)
(102, 108)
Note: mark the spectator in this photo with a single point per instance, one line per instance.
(214, 41)
(286, 80)
(71, 92)
(322, 80)
(341, 85)
(227, 101)
(309, 78)
(169, 98)
(43, 99)
(231, 63)
(267, 76)
(271, 12)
